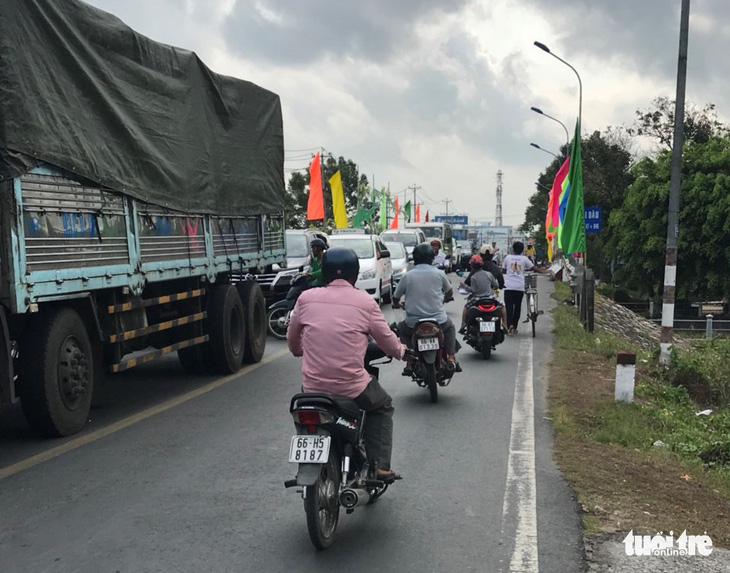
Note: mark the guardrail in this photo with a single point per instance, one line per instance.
(712, 328)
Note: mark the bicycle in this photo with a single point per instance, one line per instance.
(531, 299)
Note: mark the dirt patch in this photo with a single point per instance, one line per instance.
(623, 488)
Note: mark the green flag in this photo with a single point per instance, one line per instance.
(383, 210)
(572, 231)
(407, 211)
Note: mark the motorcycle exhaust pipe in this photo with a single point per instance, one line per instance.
(351, 498)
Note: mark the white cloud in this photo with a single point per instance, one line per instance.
(437, 93)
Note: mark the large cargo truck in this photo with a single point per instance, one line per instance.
(139, 195)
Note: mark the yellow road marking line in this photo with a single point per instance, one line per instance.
(131, 420)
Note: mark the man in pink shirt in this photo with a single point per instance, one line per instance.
(330, 328)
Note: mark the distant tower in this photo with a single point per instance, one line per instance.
(498, 216)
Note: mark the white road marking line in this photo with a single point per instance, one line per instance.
(520, 496)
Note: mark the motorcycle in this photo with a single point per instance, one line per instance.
(484, 326)
(279, 314)
(329, 447)
(429, 367)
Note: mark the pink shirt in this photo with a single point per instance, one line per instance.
(330, 328)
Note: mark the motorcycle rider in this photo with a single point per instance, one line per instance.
(318, 247)
(439, 257)
(426, 290)
(480, 284)
(329, 329)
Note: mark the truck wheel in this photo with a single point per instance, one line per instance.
(192, 359)
(226, 328)
(254, 308)
(57, 371)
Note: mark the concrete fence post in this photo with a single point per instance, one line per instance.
(625, 376)
(651, 308)
(708, 327)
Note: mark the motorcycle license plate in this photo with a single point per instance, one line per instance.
(309, 449)
(428, 344)
(485, 326)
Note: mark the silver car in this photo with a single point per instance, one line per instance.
(400, 260)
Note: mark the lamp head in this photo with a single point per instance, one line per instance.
(535, 145)
(542, 46)
(536, 110)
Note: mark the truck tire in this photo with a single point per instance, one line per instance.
(254, 309)
(57, 371)
(226, 329)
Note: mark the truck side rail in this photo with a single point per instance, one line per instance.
(68, 237)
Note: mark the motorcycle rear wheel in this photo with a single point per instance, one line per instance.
(433, 389)
(274, 319)
(322, 503)
(486, 349)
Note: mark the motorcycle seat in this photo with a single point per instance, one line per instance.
(340, 404)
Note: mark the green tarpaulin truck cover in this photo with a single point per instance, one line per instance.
(81, 90)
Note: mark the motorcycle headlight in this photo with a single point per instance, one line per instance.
(367, 275)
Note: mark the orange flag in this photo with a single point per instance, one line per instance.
(418, 213)
(394, 224)
(315, 203)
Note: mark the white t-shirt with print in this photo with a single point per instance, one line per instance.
(515, 267)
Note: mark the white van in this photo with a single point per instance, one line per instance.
(440, 231)
(409, 237)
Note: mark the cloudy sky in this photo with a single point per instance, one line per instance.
(437, 93)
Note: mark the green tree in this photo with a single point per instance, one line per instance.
(657, 122)
(640, 225)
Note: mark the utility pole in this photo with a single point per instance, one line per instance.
(670, 265)
(498, 217)
(447, 201)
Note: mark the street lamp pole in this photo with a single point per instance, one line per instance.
(567, 135)
(544, 48)
(536, 146)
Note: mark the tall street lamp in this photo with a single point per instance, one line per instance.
(544, 48)
(567, 135)
(536, 146)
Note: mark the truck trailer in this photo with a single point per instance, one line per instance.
(140, 194)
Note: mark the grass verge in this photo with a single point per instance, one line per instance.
(606, 449)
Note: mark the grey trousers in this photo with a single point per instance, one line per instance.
(378, 432)
(406, 335)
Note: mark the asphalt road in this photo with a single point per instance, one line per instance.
(184, 473)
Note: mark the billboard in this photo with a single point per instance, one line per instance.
(452, 219)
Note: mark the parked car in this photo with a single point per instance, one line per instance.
(376, 269)
(399, 259)
(409, 237)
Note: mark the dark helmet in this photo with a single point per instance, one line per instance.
(340, 263)
(318, 243)
(423, 254)
(476, 261)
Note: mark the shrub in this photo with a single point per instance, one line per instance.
(705, 372)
